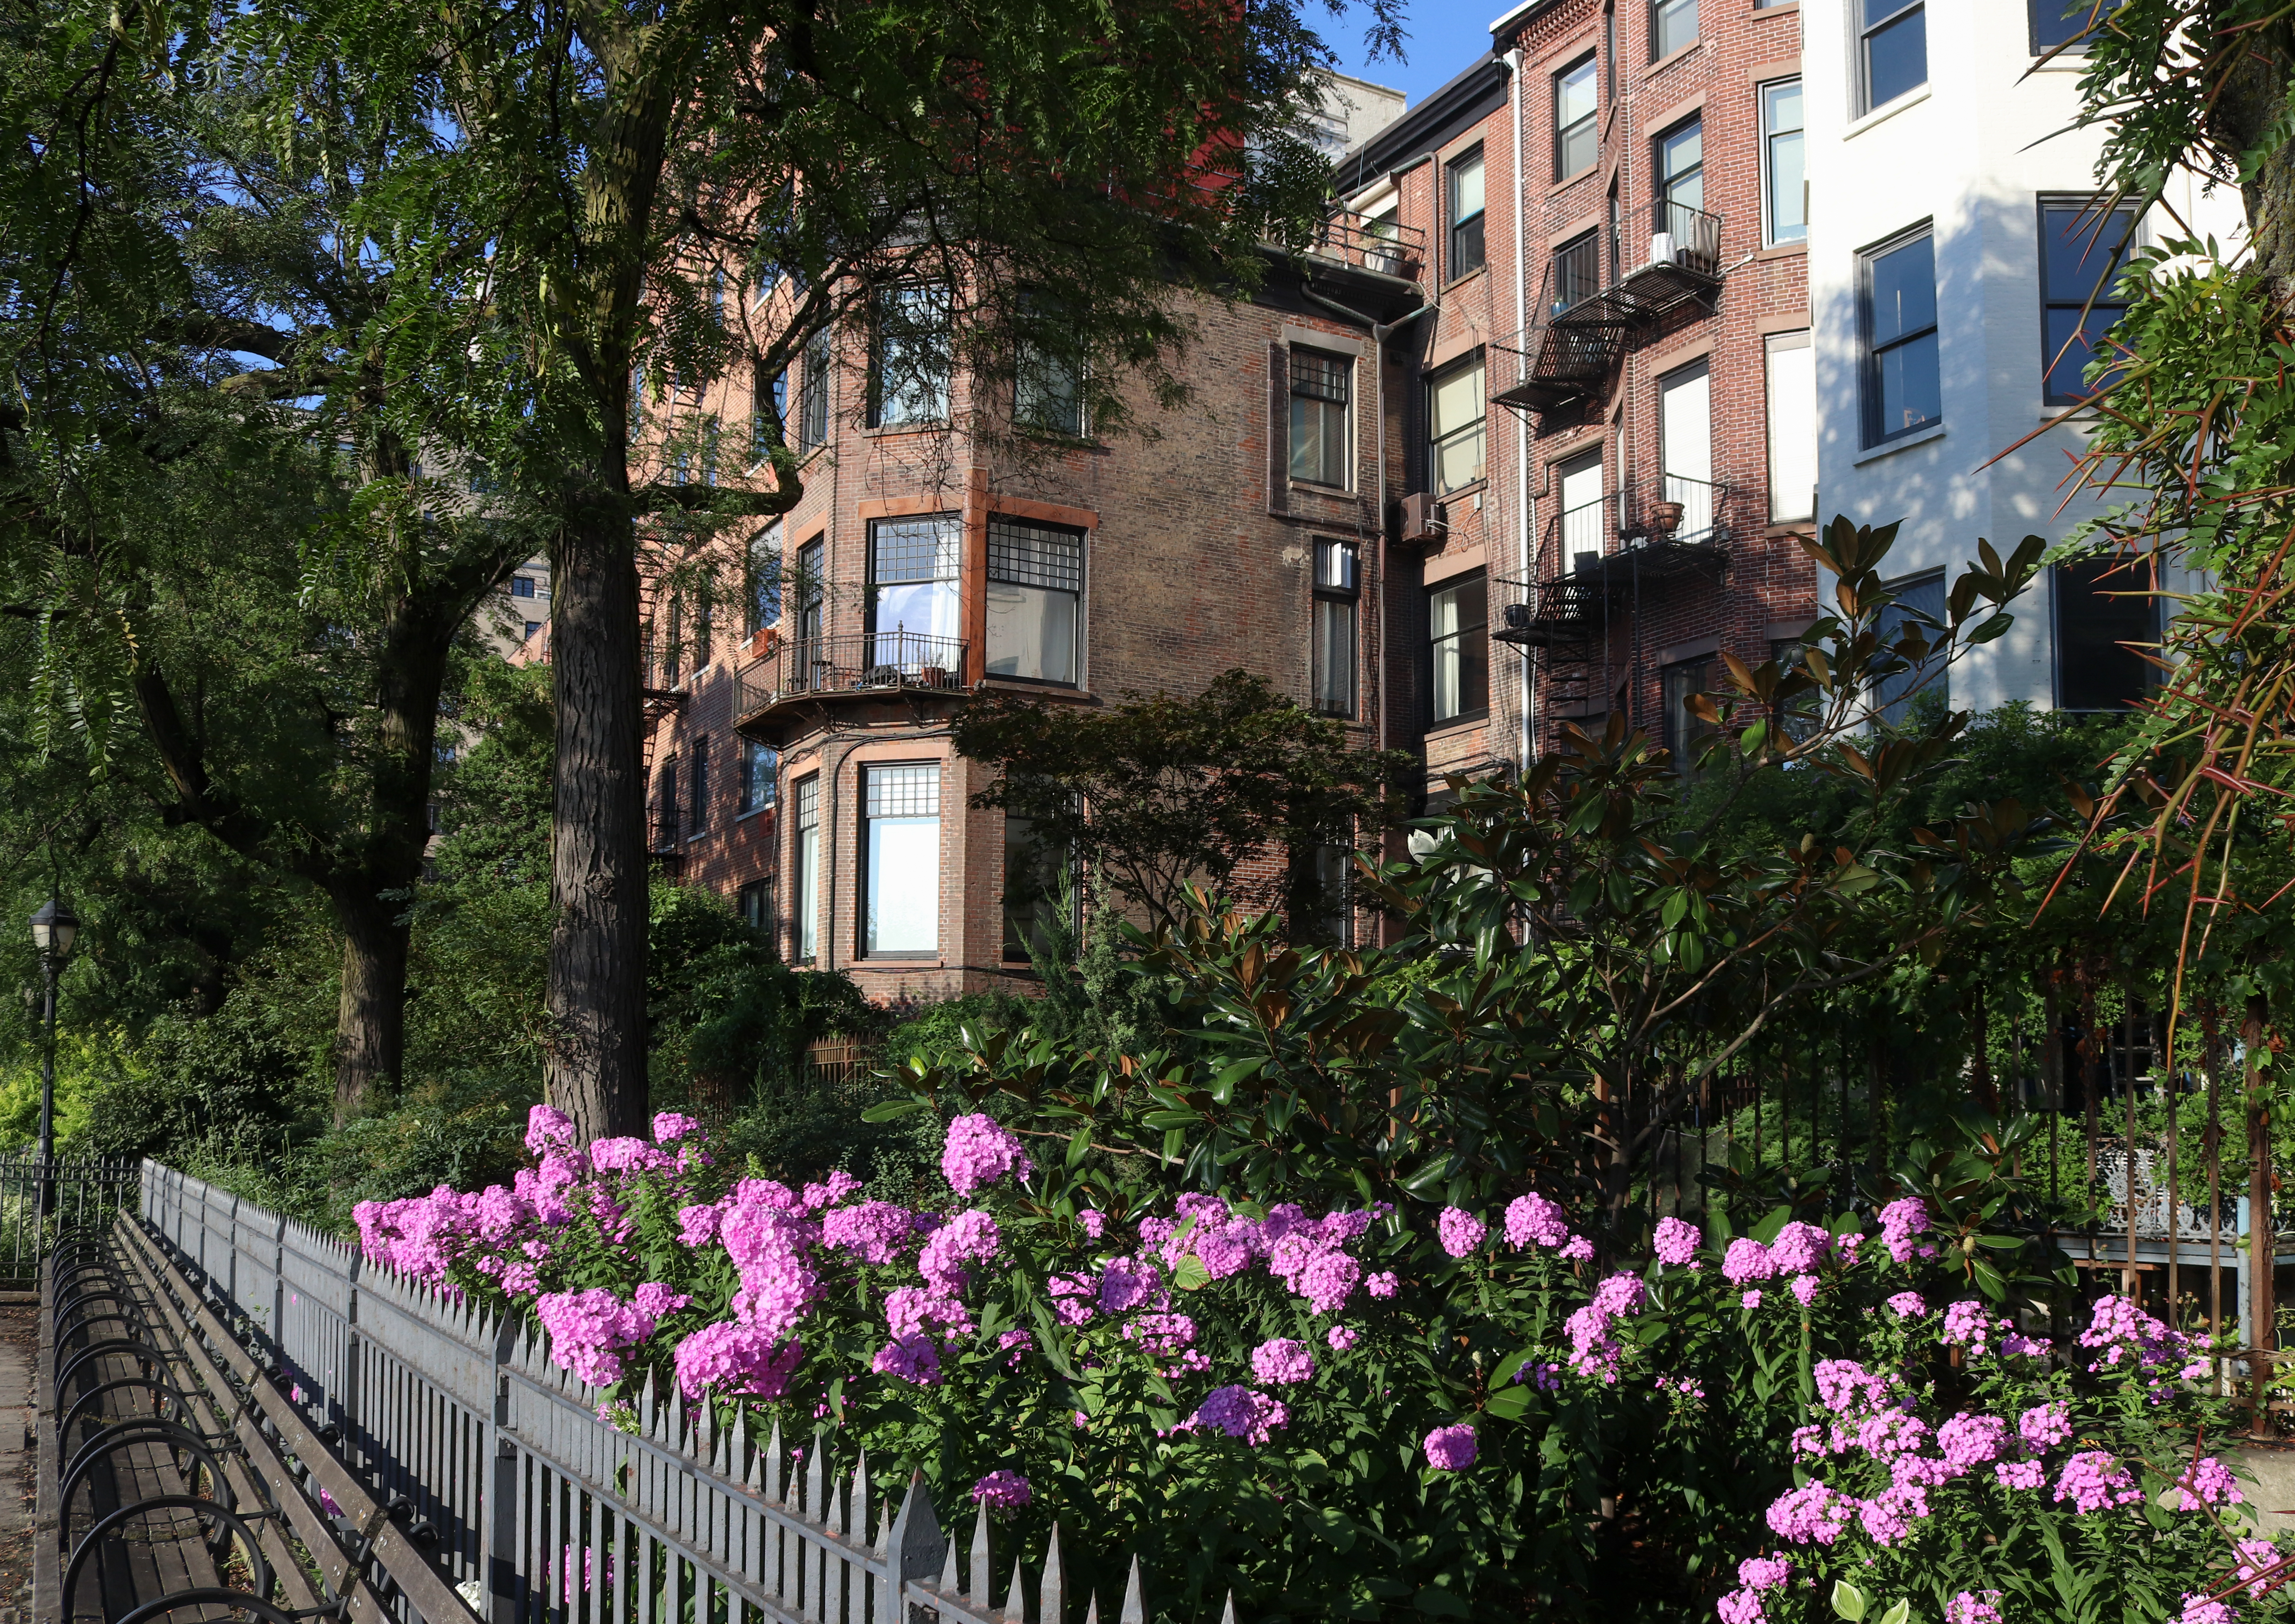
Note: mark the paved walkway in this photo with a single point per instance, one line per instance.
(19, 1350)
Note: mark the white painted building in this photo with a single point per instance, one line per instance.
(1946, 246)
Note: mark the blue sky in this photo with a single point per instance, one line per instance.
(1445, 36)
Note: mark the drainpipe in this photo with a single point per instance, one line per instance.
(1525, 511)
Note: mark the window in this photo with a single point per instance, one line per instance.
(1577, 272)
(1920, 600)
(1892, 47)
(2062, 23)
(1796, 717)
(1048, 391)
(1785, 171)
(761, 589)
(768, 412)
(1681, 180)
(2082, 253)
(812, 392)
(705, 632)
(1584, 535)
(1577, 142)
(1337, 592)
(521, 586)
(1320, 387)
(1454, 417)
(758, 766)
(1673, 26)
(1032, 893)
(757, 905)
(912, 598)
(811, 594)
(908, 373)
(1683, 731)
(1466, 215)
(1685, 432)
(1903, 390)
(666, 821)
(1455, 616)
(674, 659)
(1035, 589)
(1610, 50)
(531, 626)
(696, 805)
(805, 866)
(900, 856)
(2102, 605)
(1334, 886)
(1792, 426)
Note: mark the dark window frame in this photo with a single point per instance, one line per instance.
(2069, 45)
(804, 904)
(1578, 270)
(1322, 379)
(1349, 595)
(1477, 361)
(817, 368)
(939, 372)
(697, 770)
(2113, 582)
(1892, 697)
(1867, 30)
(1479, 629)
(1870, 360)
(1658, 11)
(1468, 251)
(1012, 577)
(759, 790)
(2127, 222)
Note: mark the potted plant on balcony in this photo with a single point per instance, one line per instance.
(934, 676)
(1665, 518)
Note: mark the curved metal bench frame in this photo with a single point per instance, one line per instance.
(150, 1357)
(126, 1433)
(159, 1385)
(264, 1613)
(226, 1521)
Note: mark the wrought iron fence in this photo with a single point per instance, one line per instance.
(861, 664)
(548, 1511)
(78, 1189)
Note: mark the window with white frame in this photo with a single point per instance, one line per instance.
(900, 859)
(804, 869)
(1465, 189)
(1337, 604)
(1455, 410)
(1792, 391)
(1784, 164)
(1035, 599)
(909, 368)
(1576, 139)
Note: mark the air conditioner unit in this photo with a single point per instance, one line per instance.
(1422, 517)
(1663, 250)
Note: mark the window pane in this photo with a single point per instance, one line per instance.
(1577, 272)
(912, 355)
(1910, 392)
(1573, 94)
(1030, 633)
(805, 906)
(1466, 187)
(1674, 26)
(1897, 59)
(2099, 611)
(1334, 566)
(1335, 655)
(1460, 652)
(1682, 729)
(2081, 254)
(1458, 461)
(903, 813)
(1788, 175)
(2073, 345)
(1579, 145)
(913, 567)
(1922, 601)
(1457, 399)
(1031, 891)
(1320, 386)
(2056, 23)
(1792, 426)
(1903, 290)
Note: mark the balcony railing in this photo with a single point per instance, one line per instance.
(855, 664)
(1383, 245)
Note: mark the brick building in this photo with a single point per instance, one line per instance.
(1611, 413)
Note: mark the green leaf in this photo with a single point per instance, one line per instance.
(1439, 1604)
(1848, 1600)
(892, 1110)
(1191, 1275)
(1898, 1613)
(1507, 1404)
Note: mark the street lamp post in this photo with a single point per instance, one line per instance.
(55, 928)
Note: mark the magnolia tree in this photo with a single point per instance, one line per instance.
(1391, 1412)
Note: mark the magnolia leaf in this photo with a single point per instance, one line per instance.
(1899, 1611)
(1847, 1601)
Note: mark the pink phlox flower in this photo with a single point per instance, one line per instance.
(1460, 1231)
(2119, 1329)
(697, 1225)
(1809, 1441)
(1544, 1377)
(1811, 1514)
(2093, 1481)
(1891, 1432)
(830, 1192)
(2020, 1474)
(1970, 1441)
(1890, 1515)
(548, 1129)
(1964, 1325)
(655, 1300)
(1073, 1296)
(1329, 1281)
(1750, 1299)
(776, 1293)
(1900, 1222)
(1740, 1607)
(1016, 1344)
(1382, 1284)
(1127, 1283)
(1924, 1470)
(1161, 1334)
(625, 1154)
(1843, 1385)
(2044, 1425)
(1621, 1294)
(1094, 1222)
(2209, 1482)
(1765, 1573)
(1002, 1490)
(979, 1151)
(2257, 1557)
(2199, 1609)
(1800, 1249)
(1224, 1248)
(1452, 1449)
(1533, 1219)
(669, 1127)
(877, 1232)
(968, 1238)
(1341, 1337)
(735, 1358)
(1579, 1251)
(1282, 1361)
(1804, 1289)
(1906, 1305)
(1593, 1350)
(1746, 1261)
(1242, 1413)
(1676, 1243)
(1974, 1607)
(914, 1310)
(914, 1359)
(590, 1331)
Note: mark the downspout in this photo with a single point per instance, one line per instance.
(1524, 509)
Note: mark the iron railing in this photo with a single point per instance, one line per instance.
(546, 1513)
(856, 664)
(1380, 244)
(79, 1190)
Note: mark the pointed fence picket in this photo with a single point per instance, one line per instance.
(546, 1511)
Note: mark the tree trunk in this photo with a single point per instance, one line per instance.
(370, 1019)
(598, 881)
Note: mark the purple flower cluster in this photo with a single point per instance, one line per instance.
(591, 1330)
(1239, 1412)
(1974, 1607)
(1002, 1490)
(1756, 1576)
(1533, 1219)
(2124, 1337)
(1902, 1222)
(2093, 1481)
(1460, 1230)
(1676, 1244)
(979, 1151)
(727, 1357)
(1594, 1350)
(1281, 1362)
(2209, 1482)
(1452, 1449)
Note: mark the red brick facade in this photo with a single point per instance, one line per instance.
(1198, 550)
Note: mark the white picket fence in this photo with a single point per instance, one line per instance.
(543, 1513)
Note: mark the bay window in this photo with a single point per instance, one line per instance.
(900, 857)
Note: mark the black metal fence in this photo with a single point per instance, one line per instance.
(36, 1205)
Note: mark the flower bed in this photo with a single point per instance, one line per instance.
(1383, 1412)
